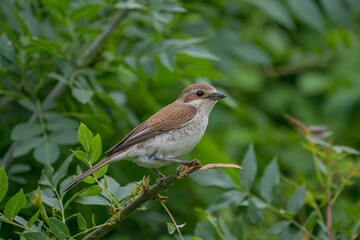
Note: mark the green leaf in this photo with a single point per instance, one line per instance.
(255, 214)
(14, 205)
(269, 180)
(81, 222)
(58, 228)
(95, 149)
(171, 228)
(56, 122)
(66, 137)
(277, 228)
(28, 104)
(47, 152)
(213, 177)
(98, 174)
(249, 164)
(296, 201)
(82, 156)
(337, 11)
(26, 145)
(61, 172)
(308, 12)
(349, 209)
(58, 77)
(195, 238)
(85, 136)
(276, 11)
(35, 236)
(147, 64)
(93, 220)
(43, 45)
(23, 131)
(82, 95)
(85, 11)
(168, 60)
(91, 191)
(4, 184)
(46, 176)
(311, 221)
(252, 53)
(129, 5)
(198, 52)
(33, 219)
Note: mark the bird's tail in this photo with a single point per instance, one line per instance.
(87, 173)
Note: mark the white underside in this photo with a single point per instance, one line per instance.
(172, 144)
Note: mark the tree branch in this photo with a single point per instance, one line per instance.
(151, 193)
(60, 87)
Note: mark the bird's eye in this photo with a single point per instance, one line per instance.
(199, 93)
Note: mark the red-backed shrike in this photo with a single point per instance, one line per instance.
(167, 135)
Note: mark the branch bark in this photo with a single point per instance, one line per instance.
(151, 193)
(61, 87)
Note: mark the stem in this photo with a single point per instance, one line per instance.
(61, 204)
(15, 224)
(328, 191)
(211, 220)
(318, 173)
(297, 224)
(107, 192)
(172, 219)
(92, 228)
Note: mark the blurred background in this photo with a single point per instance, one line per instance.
(271, 57)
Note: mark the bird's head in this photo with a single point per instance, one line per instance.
(200, 95)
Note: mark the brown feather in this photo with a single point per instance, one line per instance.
(168, 118)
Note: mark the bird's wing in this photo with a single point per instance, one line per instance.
(168, 118)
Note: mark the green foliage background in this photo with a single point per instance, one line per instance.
(269, 56)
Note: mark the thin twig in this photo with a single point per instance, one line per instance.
(172, 219)
(148, 194)
(60, 87)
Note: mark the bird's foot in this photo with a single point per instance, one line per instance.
(192, 163)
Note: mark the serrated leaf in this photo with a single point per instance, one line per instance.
(4, 184)
(14, 205)
(33, 219)
(82, 156)
(249, 164)
(296, 201)
(58, 228)
(23, 131)
(35, 236)
(171, 228)
(81, 222)
(277, 228)
(91, 191)
(85, 136)
(269, 180)
(46, 152)
(95, 148)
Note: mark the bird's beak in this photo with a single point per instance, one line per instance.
(217, 96)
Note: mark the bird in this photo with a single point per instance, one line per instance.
(167, 135)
